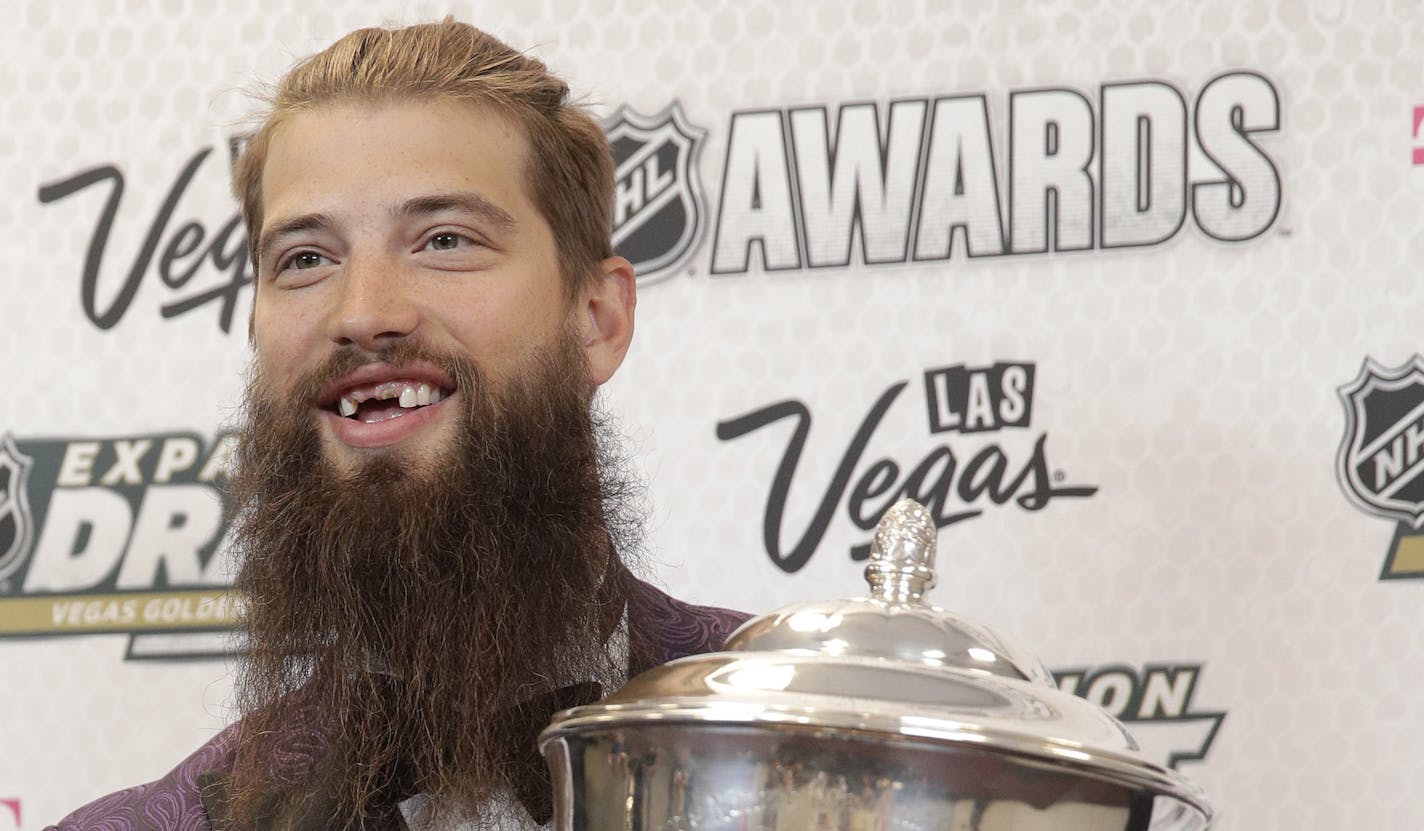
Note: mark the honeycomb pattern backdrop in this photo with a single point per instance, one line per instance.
(1146, 432)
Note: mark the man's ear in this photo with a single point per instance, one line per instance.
(604, 317)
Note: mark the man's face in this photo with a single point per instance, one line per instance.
(405, 221)
(410, 563)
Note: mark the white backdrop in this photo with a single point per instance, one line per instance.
(1210, 574)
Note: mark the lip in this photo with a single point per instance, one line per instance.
(355, 433)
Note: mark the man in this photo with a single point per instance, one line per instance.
(429, 522)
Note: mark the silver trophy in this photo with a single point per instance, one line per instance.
(881, 713)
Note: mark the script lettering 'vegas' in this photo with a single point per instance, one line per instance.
(182, 255)
(954, 488)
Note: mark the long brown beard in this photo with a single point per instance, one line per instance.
(402, 620)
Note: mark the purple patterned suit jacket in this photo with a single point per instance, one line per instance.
(177, 802)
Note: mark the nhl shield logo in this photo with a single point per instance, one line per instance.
(16, 524)
(658, 214)
(1381, 460)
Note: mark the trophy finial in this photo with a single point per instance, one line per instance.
(902, 556)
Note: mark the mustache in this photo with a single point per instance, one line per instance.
(347, 358)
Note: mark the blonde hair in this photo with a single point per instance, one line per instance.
(570, 168)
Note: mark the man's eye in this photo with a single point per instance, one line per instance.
(305, 259)
(446, 241)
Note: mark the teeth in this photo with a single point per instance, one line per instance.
(409, 396)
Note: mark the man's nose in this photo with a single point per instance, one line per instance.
(373, 305)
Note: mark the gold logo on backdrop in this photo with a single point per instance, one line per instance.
(117, 536)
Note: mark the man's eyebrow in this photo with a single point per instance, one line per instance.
(287, 227)
(464, 202)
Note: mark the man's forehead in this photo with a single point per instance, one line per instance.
(410, 107)
(383, 154)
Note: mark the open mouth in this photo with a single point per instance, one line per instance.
(383, 401)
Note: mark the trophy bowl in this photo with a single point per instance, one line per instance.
(881, 713)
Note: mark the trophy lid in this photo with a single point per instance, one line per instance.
(891, 665)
